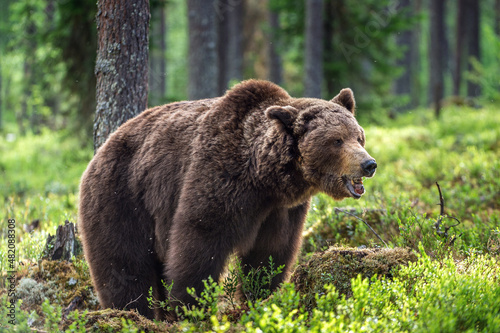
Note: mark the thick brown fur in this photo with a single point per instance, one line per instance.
(173, 192)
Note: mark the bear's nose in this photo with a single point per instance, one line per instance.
(369, 167)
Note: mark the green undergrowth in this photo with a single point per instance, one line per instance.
(39, 177)
(425, 296)
(51, 162)
(420, 295)
(431, 273)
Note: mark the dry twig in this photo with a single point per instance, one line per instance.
(437, 225)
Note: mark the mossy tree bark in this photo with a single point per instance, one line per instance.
(121, 65)
(64, 245)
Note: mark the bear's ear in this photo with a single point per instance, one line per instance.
(285, 114)
(346, 99)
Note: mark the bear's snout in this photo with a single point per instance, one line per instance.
(369, 167)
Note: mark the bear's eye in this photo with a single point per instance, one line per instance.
(360, 140)
(338, 142)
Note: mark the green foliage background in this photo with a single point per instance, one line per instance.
(48, 51)
(45, 146)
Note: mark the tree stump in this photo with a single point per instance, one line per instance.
(64, 244)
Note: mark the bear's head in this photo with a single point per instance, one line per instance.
(329, 141)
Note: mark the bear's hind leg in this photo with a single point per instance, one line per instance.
(125, 286)
(119, 249)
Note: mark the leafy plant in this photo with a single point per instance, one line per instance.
(207, 301)
(256, 283)
(79, 322)
(52, 315)
(161, 304)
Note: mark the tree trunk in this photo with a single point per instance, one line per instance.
(436, 50)
(230, 16)
(473, 89)
(27, 92)
(403, 85)
(467, 44)
(203, 58)
(222, 46)
(460, 46)
(275, 63)
(157, 56)
(235, 42)
(121, 65)
(314, 48)
(416, 91)
(329, 28)
(163, 48)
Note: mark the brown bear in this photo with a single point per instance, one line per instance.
(177, 189)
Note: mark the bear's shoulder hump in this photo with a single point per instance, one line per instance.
(252, 93)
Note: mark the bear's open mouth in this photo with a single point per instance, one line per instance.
(355, 186)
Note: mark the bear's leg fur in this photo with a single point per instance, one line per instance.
(118, 238)
(280, 236)
(194, 254)
(127, 288)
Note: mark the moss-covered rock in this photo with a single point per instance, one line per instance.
(338, 266)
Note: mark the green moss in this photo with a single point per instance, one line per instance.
(338, 266)
(60, 281)
(110, 320)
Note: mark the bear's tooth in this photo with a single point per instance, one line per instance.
(357, 180)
